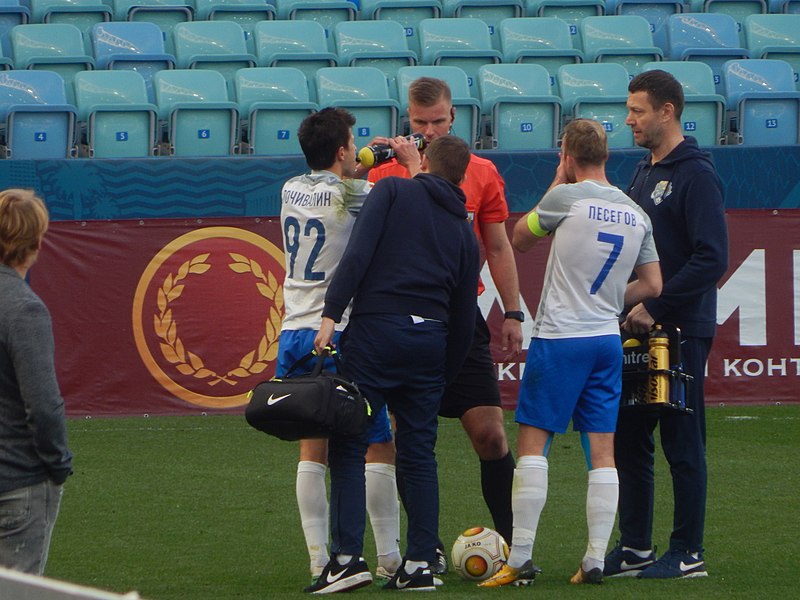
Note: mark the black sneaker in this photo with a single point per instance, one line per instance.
(622, 562)
(439, 565)
(341, 578)
(676, 564)
(421, 580)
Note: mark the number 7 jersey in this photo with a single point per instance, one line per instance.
(599, 236)
(318, 211)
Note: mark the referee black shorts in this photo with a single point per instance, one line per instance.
(476, 382)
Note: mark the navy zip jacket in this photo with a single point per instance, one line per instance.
(682, 194)
(412, 252)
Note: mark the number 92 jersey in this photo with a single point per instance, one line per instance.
(318, 211)
(599, 236)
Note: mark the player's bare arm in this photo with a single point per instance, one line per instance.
(648, 283)
(638, 320)
(503, 268)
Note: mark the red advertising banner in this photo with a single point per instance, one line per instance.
(182, 316)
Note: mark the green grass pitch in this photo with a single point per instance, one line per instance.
(203, 508)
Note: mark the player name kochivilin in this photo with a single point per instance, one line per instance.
(608, 215)
(303, 199)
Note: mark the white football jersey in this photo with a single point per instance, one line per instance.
(599, 236)
(318, 211)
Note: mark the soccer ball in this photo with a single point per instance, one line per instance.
(479, 553)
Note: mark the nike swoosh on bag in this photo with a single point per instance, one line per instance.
(271, 400)
(684, 567)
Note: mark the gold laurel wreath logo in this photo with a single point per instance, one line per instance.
(188, 363)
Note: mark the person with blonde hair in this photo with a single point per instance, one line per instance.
(34, 457)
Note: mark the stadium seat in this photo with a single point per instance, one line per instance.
(738, 9)
(777, 37)
(37, 121)
(379, 44)
(217, 45)
(709, 38)
(789, 7)
(523, 114)
(364, 92)
(81, 13)
(764, 101)
(598, 91)
(623, 39)
(408, 13)
(244, 12)
(11, 15)
(124, 45)
(273, 101)
(199, 117)
(468, 109)
(704, 110)
(325, 12)
(463, 43)
(119, 120)
(56, 47)
(545, 41)
(300, 44)
(572, 11)
(656, 12)
(491, 13)
(164, 13)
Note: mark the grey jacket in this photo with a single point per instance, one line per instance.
(33, 432)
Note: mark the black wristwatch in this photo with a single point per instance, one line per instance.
(517, 315)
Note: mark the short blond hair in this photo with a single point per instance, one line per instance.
(585, 141)
(23, 221)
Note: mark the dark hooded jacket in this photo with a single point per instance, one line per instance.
(683, 196)
(412, 252)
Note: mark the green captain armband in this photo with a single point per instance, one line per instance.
(534, 226)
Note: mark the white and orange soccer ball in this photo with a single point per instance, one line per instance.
(479, 553)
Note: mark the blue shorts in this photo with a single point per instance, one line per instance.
(572, 378)
(295, 344)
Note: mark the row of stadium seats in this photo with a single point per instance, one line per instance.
(220, 45)
(195, 115)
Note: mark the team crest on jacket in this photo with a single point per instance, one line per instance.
(661, 191)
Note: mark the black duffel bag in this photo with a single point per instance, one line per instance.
(316, 405)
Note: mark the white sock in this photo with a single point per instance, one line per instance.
(601, 509)
(312, 500)
(383, 507)
(412, 565)
(528, 497)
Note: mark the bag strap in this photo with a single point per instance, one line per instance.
(328, 351)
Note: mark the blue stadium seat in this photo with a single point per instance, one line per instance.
(788, 7)
(11, 15)
(199, 117)
(125, 45)
(81, 13)
(365, 93)
(273, 101)
(704, 110)
(656, 12)
(408, 13)
(709, 38)
(572, 11)
(623, 39)
(119, 120)
(217, 45)
(598, 91)
(777, 37)
(56, 47)
(300, 44)
(468, 108)
(379, 44)
(523, 114)
(762, 96)
(37, 121)
(738, 9)
(545, 41)
(164, 13)
(244, 12)
(463, 43)
(325, 12)
(491, 13)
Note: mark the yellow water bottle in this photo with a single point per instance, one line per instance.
(369, 156)
(658, 383)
